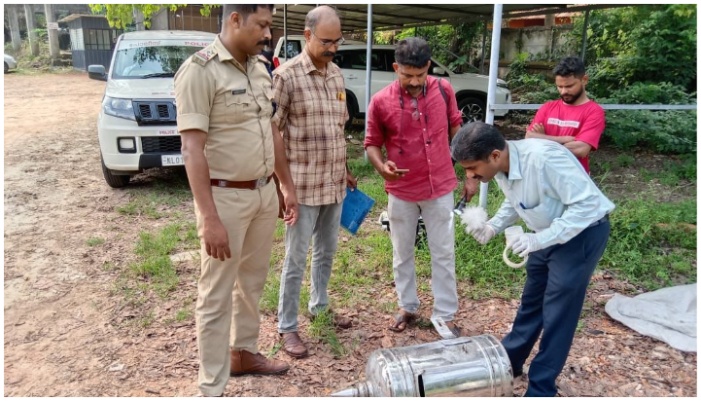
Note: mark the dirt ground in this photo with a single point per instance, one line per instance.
(62, 335)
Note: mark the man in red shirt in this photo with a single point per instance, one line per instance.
(574, 120)
(414, 123)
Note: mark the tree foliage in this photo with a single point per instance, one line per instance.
(644, 43)
(122, 15)
(452, 45)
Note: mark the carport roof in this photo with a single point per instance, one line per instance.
(397, 16)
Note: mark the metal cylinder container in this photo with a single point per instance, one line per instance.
(460, 367)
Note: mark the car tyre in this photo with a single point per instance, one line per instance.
(113, 180)
(472, 109)
(7, 68)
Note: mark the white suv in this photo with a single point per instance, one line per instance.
(136, 126)
(295, 44)
(470, 89)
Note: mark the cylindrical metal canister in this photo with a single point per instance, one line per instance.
(460, 367)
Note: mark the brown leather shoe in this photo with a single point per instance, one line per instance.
(246, 363)
(293, 345)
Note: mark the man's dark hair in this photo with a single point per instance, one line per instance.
(413, 52)
(571, 65)
(244, 10)
(476, 141)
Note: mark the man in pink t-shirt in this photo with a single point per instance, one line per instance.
(414, 123)
(574, 120)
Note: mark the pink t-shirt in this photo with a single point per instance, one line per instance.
(585, 122)
(416, 140)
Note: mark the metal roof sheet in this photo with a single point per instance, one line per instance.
(397, 16)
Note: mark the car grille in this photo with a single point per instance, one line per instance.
(160, 144)
(154, 112)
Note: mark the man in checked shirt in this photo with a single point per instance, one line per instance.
(311, 114)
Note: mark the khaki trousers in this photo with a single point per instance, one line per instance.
(250, 218)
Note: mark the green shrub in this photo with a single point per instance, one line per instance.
(652, 244)
(664, 131)
(649, 93)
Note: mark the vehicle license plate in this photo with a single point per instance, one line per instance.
(172, 160)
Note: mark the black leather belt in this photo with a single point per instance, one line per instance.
(600, 221)
(252, 184)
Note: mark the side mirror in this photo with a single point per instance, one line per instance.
(97, 72)
(438, 71)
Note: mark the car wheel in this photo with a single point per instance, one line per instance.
(7, 68)
(472, 109)
(352, 104)
(113, 180)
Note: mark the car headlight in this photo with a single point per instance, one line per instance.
(118, 108)
(502, 84)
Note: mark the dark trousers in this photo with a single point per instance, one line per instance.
(556, 283)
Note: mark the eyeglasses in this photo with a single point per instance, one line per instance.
(415, 114)
(329, 42)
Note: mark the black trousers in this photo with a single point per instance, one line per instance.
(556, 283)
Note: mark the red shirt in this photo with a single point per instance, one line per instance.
(420, 145)
(585, 122)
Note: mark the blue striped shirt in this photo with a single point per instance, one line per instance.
(548, 188)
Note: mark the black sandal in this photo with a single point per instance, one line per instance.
(402, 320)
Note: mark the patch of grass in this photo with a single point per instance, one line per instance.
(273, 351)
(94, 241)
(183, 314)
(322, 328)
(675, 170)
(147, 319)
(271, 292)
(624, 160)
(157, 200)
(389, 307)
(154, 250)
(108, 266)
(652, 244)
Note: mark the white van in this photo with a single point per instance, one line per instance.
(136, 127)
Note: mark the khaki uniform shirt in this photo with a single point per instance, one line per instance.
(232, 104)
(311, 113)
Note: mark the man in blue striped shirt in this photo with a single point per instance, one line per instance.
(547, 187)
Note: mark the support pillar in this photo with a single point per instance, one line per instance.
(14, 27)
(52, 31)
(33, 40)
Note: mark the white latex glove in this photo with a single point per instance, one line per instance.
(525, 244)
(482, 234)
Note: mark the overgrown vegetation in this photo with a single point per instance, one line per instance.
(28, 63)
(452, 45)
(635, 55)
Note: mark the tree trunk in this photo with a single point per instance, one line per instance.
(29, 17)
(139, 19)
(53, 33)
(14, 27)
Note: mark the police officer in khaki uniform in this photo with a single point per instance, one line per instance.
(224, 94)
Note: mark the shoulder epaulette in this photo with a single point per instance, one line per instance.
(262, 59)
(203, 56)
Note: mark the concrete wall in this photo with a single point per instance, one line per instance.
(535, 41)
(159, 21)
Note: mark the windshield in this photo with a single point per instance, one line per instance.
(150, 61)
